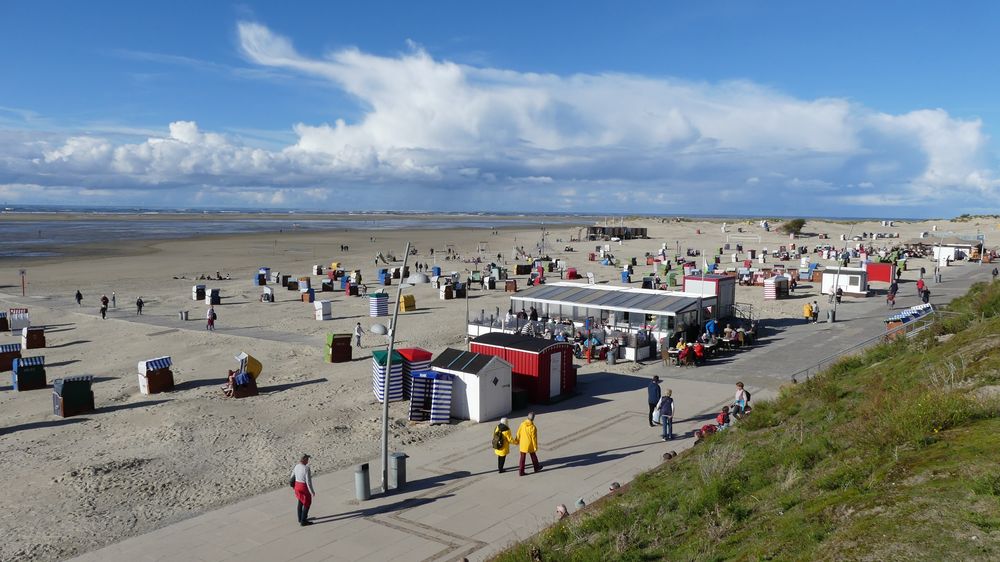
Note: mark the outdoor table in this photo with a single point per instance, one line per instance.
(674, 355)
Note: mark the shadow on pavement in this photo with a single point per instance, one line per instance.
(388, 508)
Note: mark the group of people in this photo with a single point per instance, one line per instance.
(662, 410)
(106, 302)
(526, 439)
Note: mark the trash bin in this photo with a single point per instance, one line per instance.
(831, 316)
(183, 315)
(397, 471)
(612, 356)
(362, 489)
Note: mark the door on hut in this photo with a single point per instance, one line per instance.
(555, 368)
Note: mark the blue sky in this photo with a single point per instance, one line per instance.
(851, 108)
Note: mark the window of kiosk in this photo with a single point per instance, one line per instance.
(854, 280)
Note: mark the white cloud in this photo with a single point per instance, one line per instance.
(434, 126)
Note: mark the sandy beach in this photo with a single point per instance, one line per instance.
(140, 462)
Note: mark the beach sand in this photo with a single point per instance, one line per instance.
(140, 462)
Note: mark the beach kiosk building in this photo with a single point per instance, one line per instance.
(544, 368)
(481, 390)
(624, 309)
(853, 280)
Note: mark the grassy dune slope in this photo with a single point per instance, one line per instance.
(891, 455)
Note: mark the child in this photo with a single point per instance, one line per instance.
(722, 420)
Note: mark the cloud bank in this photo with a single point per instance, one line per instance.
(439, 135)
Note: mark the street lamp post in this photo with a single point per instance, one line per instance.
(385, 380)
(836, 278)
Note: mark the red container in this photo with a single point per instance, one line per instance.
(879, 272)
(542, 367)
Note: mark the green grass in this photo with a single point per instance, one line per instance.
(890, 455)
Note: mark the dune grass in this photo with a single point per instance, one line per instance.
(888, 455)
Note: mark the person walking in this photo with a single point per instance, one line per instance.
(104, 307)
(301, 480)
(358, 330)
(138, 306)
(995, 273)
(210, 317)
(502, 441)
(79, 296)
(653, 396)
(815, 311)
(114, 300)
(527, 442)
(667, 415)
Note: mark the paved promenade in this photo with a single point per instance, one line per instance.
(456, 505)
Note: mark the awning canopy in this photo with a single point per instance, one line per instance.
(623, 299)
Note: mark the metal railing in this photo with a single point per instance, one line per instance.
(908, 330)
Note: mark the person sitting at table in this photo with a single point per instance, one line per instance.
(681, 344)
(561, 336)
(684, 356)
(728, 332)
(578, 338)
(699, 353)
(741, 337)
(703, 338)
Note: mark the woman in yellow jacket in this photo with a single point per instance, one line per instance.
(807, 311)
(527, 440)
(502, 437)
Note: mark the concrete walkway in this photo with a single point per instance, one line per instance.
(456, 505)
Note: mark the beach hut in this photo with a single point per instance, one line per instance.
(3, 321)
(197, 292)
(286, 279)
(72, 396)
(335, 265)
(267, 294)
(378, 304)
(436, 271)
(432, 397)
(879, 272)
(447, 293)
(317, 269)
(324, 310)
(384, 278)
(29, 373)
(33, 337)
(8, 353)
(853, 281)
(212, 297)
(308, 295)
(543, 367)
(326, 286)
(338, 348)
(305, 282)
(408, 303)
(414, 359)
(17, 319)
(155, 375)
(482, 386)
(776, 287)
(395, 375)
(723, 287)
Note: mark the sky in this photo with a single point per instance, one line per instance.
(873, 109)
